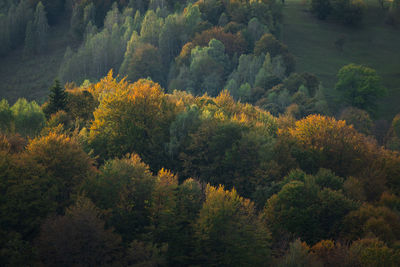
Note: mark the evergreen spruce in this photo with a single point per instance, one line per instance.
(30, 42)
(41, 27)
(57, 99)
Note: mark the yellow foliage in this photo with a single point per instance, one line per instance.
(167, 178)
(325, 133)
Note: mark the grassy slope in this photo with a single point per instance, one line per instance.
(372, 43)
(31, 76)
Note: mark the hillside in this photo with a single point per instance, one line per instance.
(31, 76)
(180, 133)
(373, 43)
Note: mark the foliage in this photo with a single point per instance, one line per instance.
(145, 63)
(299, 255)
(131, 118)
(28, 117)
(78, 237)
(349, 12)
(229, 232)
(57, 99)
(306, 209)
(124, 186)
(373, 252)
(63, 158)
(222, 182)
(322, 8)
(6, 117)
(359, 118)
(381, 222)
(333, 144)
(360, 86)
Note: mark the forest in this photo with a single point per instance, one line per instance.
(187, 133)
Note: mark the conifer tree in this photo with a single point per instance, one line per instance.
(41, 27)
(57, 99)
(30, 42)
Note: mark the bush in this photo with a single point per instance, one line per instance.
(321, 8)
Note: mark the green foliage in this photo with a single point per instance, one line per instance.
(307, 208)
(132, 117)
(321, 8)
(66, 162)
(144, 63)
(151, 27)
(360, 86)
(30, 41)
(166, 219)
(78, 237)
(374, 252)
(6, 117)
(27, 195)
(100, 51)
(28, 117)
(57, 99)
(360, 119)
(349, 12)
(40, 28)
(229, 232)
(298, 255)
(13, 24)
(370, 220)
(125, 186)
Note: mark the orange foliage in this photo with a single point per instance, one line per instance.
(184, 56)
(337, 146)
(234, 43)
(341, 148)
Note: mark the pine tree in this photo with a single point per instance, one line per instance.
(57, 99)
(30, 42)
(41, 27)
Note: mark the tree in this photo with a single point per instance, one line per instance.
(333, 145)
(151, 28)
(299, 255)
(232, 43)
(208, 67)
(349, 12)
(369, 220)
(321, 8)
(307, 209)
(359, 118)
(181, 245)
(41, 27)
(144, 63)
(64, 160)
(374, 252)
(229, 231)
(169, 41)
(269, 44)
(28, 117)
(79, 238)
(131, 118)
(30, 42)
(125, 187)
(27, 194)
(360, 86)
(6, 117)
(57, 99)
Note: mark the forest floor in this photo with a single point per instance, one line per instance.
(31, 76)
(372, 43)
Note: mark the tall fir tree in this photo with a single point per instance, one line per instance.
(41, 27)
(30, 42)
(57, 99)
